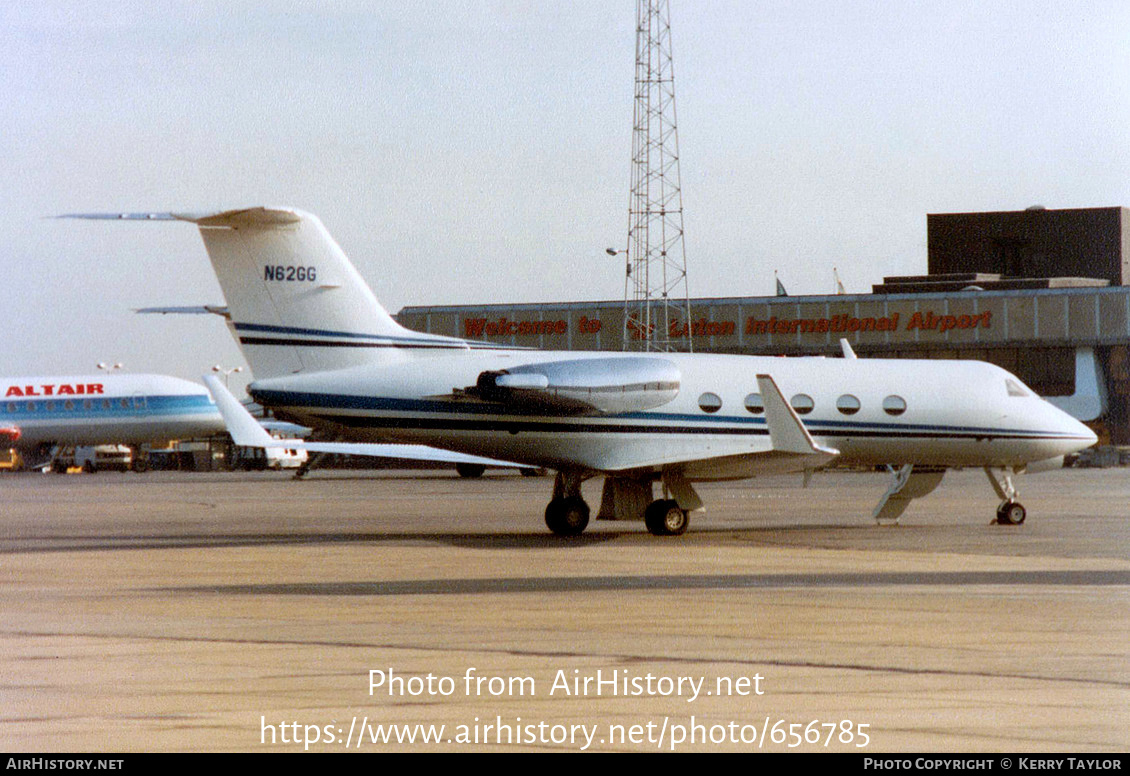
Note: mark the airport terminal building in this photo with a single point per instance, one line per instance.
(1043, 293)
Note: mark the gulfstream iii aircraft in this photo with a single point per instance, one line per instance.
(325, 353)
(43, 413)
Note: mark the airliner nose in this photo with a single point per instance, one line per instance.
(1078, 436)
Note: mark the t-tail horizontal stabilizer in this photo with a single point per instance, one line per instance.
(786, 432)
(247, 432)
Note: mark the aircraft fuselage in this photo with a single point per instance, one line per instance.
(874, 411)
(105, 409)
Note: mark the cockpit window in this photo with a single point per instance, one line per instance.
(1016, 389)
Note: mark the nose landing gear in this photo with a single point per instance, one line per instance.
(1010, 511)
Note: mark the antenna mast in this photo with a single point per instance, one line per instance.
(657, 313)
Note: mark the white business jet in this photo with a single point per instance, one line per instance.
(325, 353)
(42, 413)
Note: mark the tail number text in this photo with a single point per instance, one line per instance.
(290, 274)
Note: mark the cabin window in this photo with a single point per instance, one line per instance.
(710, 402)
(755, 404)
(848, 404)
(68, 405)
(31, 406)
(802, 403)
(12, 406)
(894, 405)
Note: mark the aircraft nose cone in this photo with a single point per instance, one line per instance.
(1091, 436)
(1081, 437)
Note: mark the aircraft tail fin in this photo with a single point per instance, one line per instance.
(297, 303)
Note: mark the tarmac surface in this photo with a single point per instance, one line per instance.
(252, 612)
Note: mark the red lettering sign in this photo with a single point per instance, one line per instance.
(53, 389)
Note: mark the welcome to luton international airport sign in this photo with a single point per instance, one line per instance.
(837, 324)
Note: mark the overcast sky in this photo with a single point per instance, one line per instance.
(473, 152)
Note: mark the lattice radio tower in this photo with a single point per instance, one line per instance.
(657, 313)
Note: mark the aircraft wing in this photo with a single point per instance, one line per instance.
(791, 447)
(247, 432)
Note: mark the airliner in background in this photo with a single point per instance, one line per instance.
(43, 413)
(326, 354)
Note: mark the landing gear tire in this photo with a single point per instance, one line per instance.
(470, 470)
(665, 518)
(1011, 513)
(567, 516)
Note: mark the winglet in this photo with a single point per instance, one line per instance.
(786, 431)
(245, 430)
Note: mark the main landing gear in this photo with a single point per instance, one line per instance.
(568, 515)
(664, 518)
